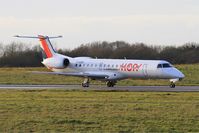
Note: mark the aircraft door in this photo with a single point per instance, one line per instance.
(101, 66)
(144, 70)
(159, 70)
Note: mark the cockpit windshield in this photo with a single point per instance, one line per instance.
(164, 65)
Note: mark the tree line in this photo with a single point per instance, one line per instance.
(26, 55)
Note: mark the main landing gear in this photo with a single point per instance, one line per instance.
(111, 83)
(86, 82)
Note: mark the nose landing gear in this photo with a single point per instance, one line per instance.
(172, 85)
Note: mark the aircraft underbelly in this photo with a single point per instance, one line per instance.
(64, 70)
(134, 75)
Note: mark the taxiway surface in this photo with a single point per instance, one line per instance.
(101, 87)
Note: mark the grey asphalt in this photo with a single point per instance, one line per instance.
(103, 87)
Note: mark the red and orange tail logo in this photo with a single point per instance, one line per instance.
(46, 46)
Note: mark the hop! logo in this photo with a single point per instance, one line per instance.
(130, 67)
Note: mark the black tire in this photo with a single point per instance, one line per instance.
(109, 84)
(85, 85)
(172, 85)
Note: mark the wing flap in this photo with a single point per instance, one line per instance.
(77, 74)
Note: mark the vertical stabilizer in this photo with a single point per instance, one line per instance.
(47, 49)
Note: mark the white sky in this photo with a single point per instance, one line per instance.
(161, 22)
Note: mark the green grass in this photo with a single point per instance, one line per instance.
(89, 111)
(24, 76)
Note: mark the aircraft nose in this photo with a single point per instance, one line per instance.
(181, 76)
(178, 74)
(174, 73)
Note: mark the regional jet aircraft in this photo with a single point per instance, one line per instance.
(108, 70)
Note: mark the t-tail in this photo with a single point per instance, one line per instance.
(45, 44)
(51, 59)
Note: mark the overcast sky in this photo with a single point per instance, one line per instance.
(160, 22)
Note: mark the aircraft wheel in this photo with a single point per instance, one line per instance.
(172, 85)
(110, 84)
(85, 84)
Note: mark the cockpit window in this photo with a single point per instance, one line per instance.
(159, 66)
(165, 65)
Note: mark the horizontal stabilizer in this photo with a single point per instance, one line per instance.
(38, 37)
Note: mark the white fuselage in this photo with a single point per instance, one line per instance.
(118, 69)
(109, 70)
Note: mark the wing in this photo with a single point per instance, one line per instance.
(77, 74)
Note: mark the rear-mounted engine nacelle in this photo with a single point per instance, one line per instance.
(57, 63)
(66, 62)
